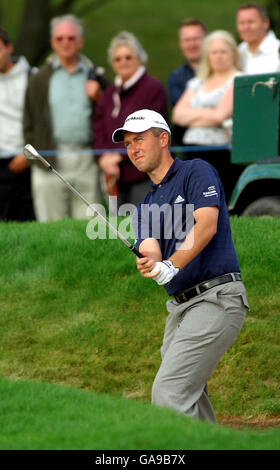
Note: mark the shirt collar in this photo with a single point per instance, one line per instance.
(176, 165)
(268, 42)
(132, 80)
(265, 46)
(57, 65)
(188, 67)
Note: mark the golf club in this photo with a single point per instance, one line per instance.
(32, 154)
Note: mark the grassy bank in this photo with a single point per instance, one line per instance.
(43, 416)
(75, 311)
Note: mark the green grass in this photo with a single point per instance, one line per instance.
(75, 311)
(255, 356)
(42, 416)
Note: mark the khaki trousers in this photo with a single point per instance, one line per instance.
(52, 199)
(197, 334)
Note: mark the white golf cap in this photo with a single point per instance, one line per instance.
(140, 121)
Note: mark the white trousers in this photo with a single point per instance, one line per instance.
(197, 334)
(52, 199)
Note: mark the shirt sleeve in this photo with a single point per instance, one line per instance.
(193, 84)
(203, 185)
(157, 99)
(99, 124)
(137, 224)
(146, 222)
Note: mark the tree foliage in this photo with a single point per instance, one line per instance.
(32, 39)
(273, 7)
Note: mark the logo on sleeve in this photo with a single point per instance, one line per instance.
(211, 191)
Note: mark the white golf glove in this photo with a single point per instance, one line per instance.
(167, 272)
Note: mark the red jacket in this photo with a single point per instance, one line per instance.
(147, 93)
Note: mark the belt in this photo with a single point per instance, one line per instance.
(204, 286)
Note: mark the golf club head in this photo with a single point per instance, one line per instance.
(31, 154)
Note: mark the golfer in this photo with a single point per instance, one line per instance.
(196, 263)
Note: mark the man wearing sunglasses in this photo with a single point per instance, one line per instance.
(59, 105)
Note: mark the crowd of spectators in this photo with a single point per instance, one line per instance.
(69, 107)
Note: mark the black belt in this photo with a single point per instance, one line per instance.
(204, 286)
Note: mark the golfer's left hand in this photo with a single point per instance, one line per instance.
(146, 265)
(166, 272)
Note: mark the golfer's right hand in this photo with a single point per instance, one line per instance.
(146, 265)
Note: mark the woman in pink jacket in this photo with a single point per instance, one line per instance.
(133, 89)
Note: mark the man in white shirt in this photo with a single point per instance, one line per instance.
(259, 51)
(15, 192)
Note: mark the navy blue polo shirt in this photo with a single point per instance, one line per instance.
(167, 215)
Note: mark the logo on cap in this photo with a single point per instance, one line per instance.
(148, 120)
(135, 118)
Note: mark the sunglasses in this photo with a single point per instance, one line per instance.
(124, 57)
(68, 38)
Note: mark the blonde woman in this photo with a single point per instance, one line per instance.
(207, 104)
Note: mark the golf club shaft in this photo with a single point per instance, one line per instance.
(78, 194)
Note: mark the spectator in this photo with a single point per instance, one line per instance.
(15, 193)
(60, 101)
(208, 101)
(133, 89)
(259, 50)
(191, 34)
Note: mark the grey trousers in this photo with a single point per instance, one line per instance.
(197, 334)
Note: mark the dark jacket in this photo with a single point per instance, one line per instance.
(176, 83)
